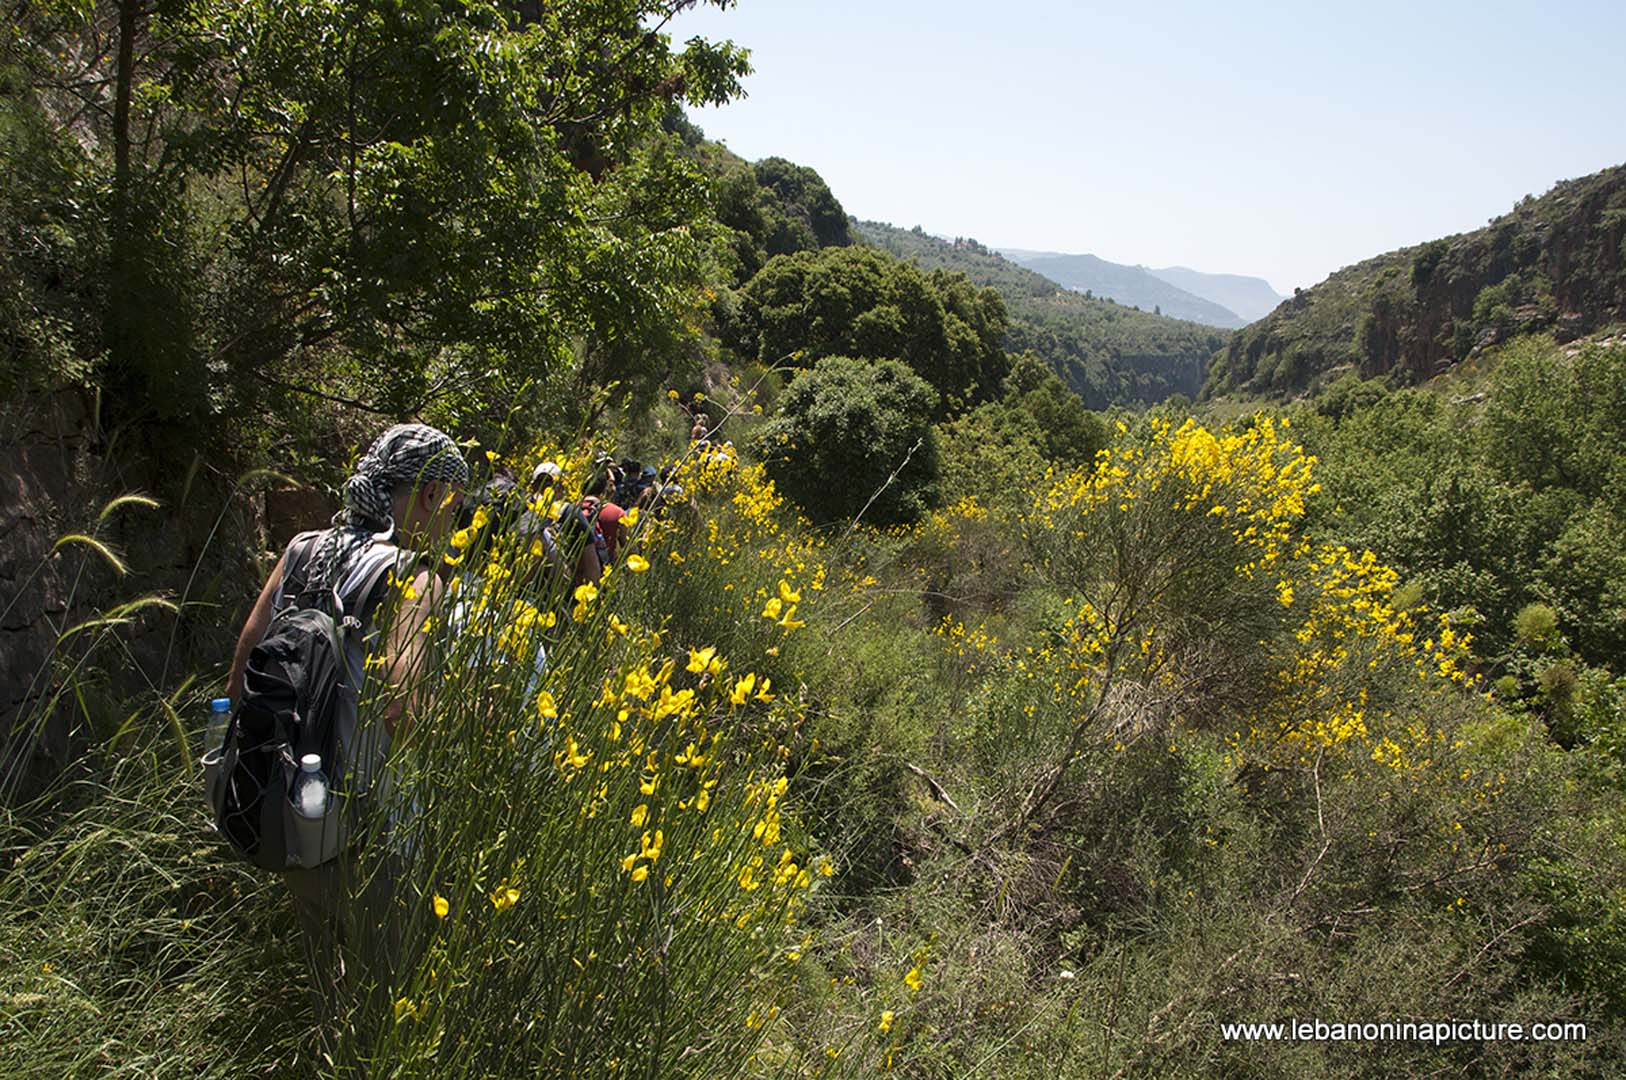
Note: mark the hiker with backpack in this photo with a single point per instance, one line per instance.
(339, 602)
(467, 612)
(604, 515)
(567, 542)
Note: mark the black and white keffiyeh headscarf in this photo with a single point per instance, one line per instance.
(406, 453)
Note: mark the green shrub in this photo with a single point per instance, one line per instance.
(854, 437)
(848, 301)
(1348, 393)
(1536, 624)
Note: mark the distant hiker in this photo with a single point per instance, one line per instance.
(697, 433)
(466, 612)
(404, 492)
(669, 499)
(636, 481)
(547, 475)
(567, 542)
(580, 545)
(648, 485)
(605, 515)
(605, 470)
(547, 484)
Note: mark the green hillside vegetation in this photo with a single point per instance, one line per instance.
(864, 303)
(761, 209)
(930, 723)
(1048, 747)
(1107, 353)
(1553, 264)
(1491, 501)
(798, 294)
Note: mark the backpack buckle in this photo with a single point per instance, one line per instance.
(350, 622)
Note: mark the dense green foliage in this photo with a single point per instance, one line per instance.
(777, 208)
(1107, 730)
(1495, 501)
(1007, 445)
(1551, 264)
(1106, 353)
(401, 206)
(862, 302)
(1084, 804)
(854, 437)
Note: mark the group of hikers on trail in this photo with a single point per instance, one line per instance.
(321, 624)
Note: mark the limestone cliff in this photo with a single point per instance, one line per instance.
(1554, 264)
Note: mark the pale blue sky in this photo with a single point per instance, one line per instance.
(1278, 139)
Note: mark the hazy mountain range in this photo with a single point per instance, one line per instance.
(1108, 352)
(1226, 300)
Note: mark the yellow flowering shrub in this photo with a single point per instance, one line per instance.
(1189, 594)
(588, 799)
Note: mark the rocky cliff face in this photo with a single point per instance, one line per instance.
(58, 468)
(1554, 264)
(36, 471)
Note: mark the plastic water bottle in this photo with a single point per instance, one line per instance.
(214, 733)
(311, 799)
(214, 746)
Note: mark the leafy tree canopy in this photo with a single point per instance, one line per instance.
(1003, 447)
(399, 205)
(1492, 501)
(862, 302)
(776, 207)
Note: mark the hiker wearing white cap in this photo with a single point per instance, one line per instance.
(565, 540)
(547, 474)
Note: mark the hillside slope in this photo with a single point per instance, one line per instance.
(1132, 285)
(1108, 353)
(1551, 264)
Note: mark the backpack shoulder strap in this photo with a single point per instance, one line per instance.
(296, 561)
(363, 582)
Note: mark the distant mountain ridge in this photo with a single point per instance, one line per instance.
(1553, 264)
(1107, 352)
(1132, 285)
(1252, 298)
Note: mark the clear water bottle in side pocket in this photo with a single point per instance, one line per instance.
(214, 746)
(311, 800)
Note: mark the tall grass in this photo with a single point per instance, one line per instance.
(591, 871)
(131, 946)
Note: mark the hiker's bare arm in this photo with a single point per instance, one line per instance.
(253, 632)
(406, 649)
(588, 570)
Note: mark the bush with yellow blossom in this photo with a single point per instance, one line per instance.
(594, 868)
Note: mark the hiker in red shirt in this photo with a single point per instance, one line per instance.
(607, 515)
